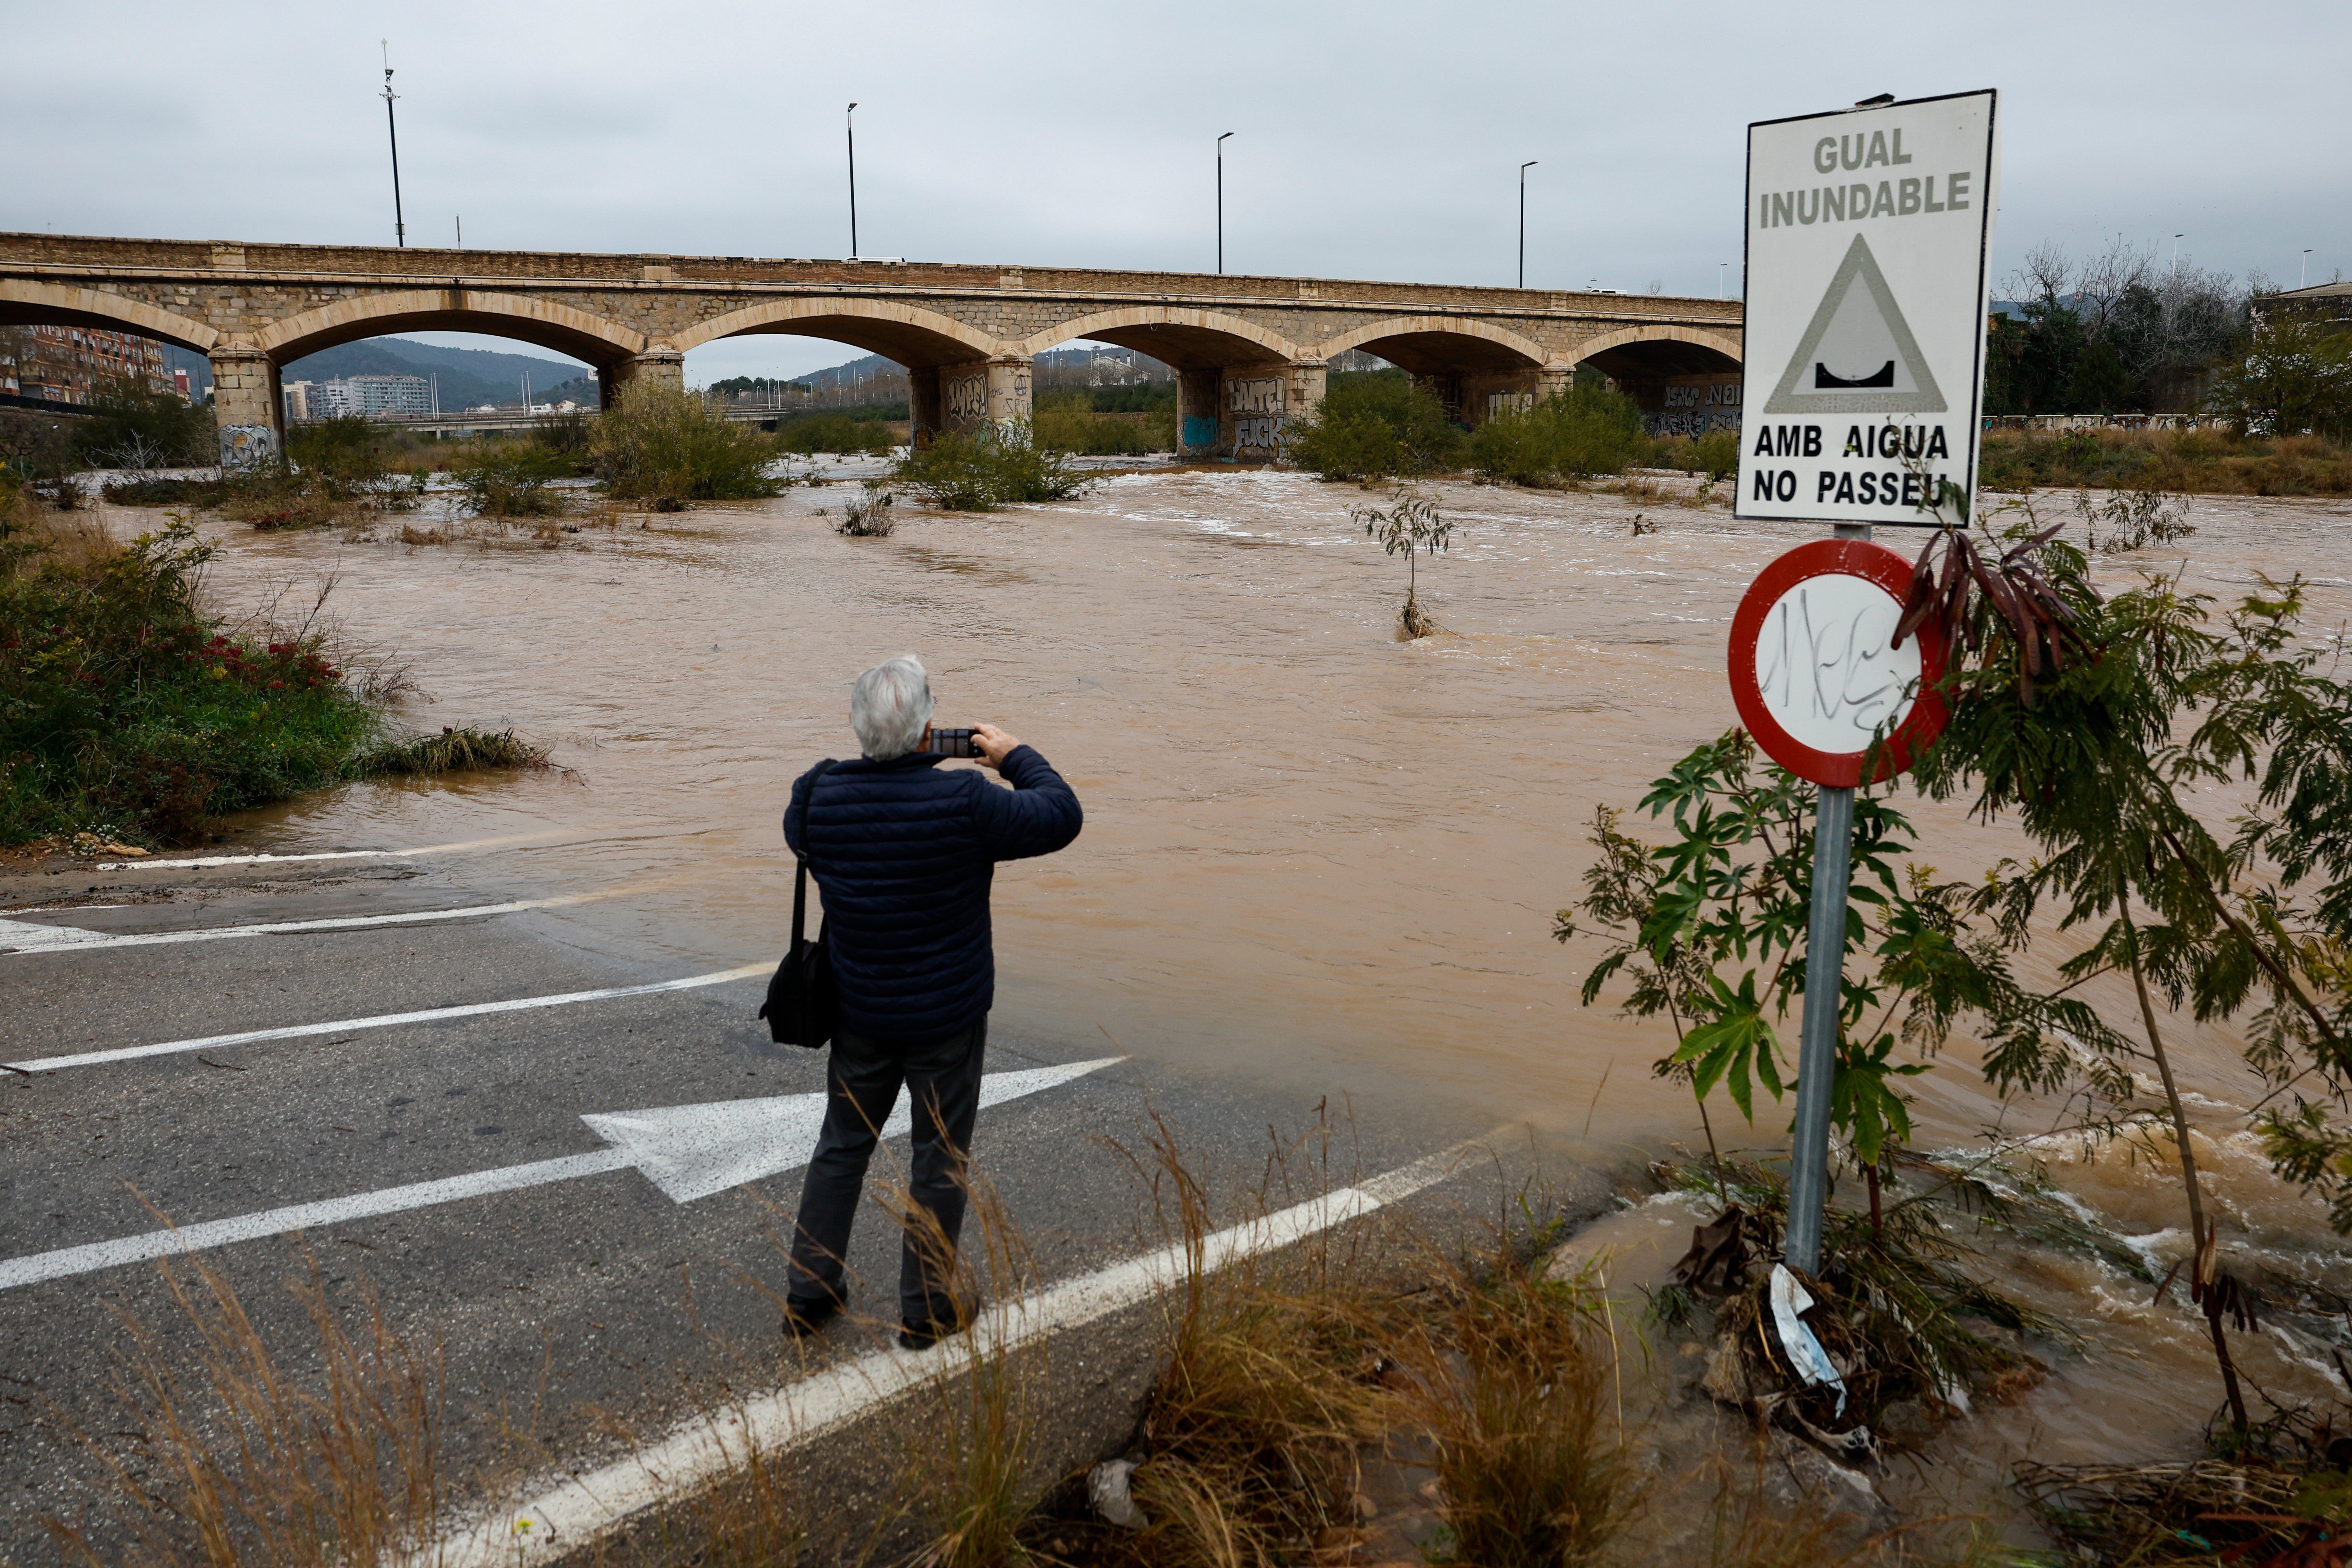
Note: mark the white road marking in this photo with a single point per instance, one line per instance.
(380, 1021)
(579, 1507)
(266, 858)
(690, 1151)
(24, 936)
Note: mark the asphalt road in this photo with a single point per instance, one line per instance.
(581, 1299)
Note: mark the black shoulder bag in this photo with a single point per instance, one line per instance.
(803, 1007)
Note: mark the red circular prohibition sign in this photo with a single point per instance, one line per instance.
(1874, 563)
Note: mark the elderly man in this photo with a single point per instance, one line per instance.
(903, 851)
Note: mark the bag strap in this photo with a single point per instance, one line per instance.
(800, 878)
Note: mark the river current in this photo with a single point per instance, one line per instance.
(1316, 859)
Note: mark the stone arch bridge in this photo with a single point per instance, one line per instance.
(1249, 352)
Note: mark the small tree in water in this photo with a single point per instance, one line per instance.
(1410, 522)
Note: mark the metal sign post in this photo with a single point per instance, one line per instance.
(1821, 686)
(1869, 236)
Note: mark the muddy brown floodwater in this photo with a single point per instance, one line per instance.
(1316, 859)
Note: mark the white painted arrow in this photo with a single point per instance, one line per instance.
(690, 1151)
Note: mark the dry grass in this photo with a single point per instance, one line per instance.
(235, 1461)
(968, 1454)
(1513, 1382)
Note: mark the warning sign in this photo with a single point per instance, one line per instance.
(1868, 238)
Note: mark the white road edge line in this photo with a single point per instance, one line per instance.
(380, 1021)
(84, 941)
(578, 1509)
(265, 859)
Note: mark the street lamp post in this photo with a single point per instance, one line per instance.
(2303, 273)
(1523, 219)
(2176, 255)
(1220, 204)
(1720, 268)
(851, 120)
(399, 228)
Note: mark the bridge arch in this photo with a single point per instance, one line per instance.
(1661, 350)
(25, 302)
(550, 325)
(912, 335)
(1176, 335)
(1442, 345)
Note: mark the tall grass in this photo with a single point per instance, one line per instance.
(239, 1461)
(665, 446)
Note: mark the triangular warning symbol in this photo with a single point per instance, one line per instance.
(1858, 356)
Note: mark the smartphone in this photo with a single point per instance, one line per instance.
(953, 743)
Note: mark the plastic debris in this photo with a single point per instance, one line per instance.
(1106, 1488)
(1789, 1300)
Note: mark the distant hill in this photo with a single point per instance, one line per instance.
(469, 377)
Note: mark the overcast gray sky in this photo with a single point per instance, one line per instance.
(1372, 140)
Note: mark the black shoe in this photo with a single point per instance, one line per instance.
(804, 1320)
(923, 1336)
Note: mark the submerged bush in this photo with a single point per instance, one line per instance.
(1376, 427)
(998, 466)
(659, 444)
(873, 517)
(512, 481)
(1589, 430)
(451, 751)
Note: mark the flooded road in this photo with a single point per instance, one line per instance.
(1316, 859)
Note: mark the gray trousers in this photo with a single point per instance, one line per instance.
(862, 1082)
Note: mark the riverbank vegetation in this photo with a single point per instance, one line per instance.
(828, 431)
(994, 468)
(1373, 426)
(665, 446)
(1589, 430)
(2184, 462)
(131, 711)
(1076, 421)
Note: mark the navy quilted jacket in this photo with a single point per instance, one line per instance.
(904, 853)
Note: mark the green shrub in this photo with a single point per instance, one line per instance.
(998, 466)
(832, 432)
(1716, 454)
(1589, 430)
(660, 444)
(126, 711)
(1376, 426)
(513, 483)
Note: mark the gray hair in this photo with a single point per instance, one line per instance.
(889, 706)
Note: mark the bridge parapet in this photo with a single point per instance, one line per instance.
(1250, 351)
